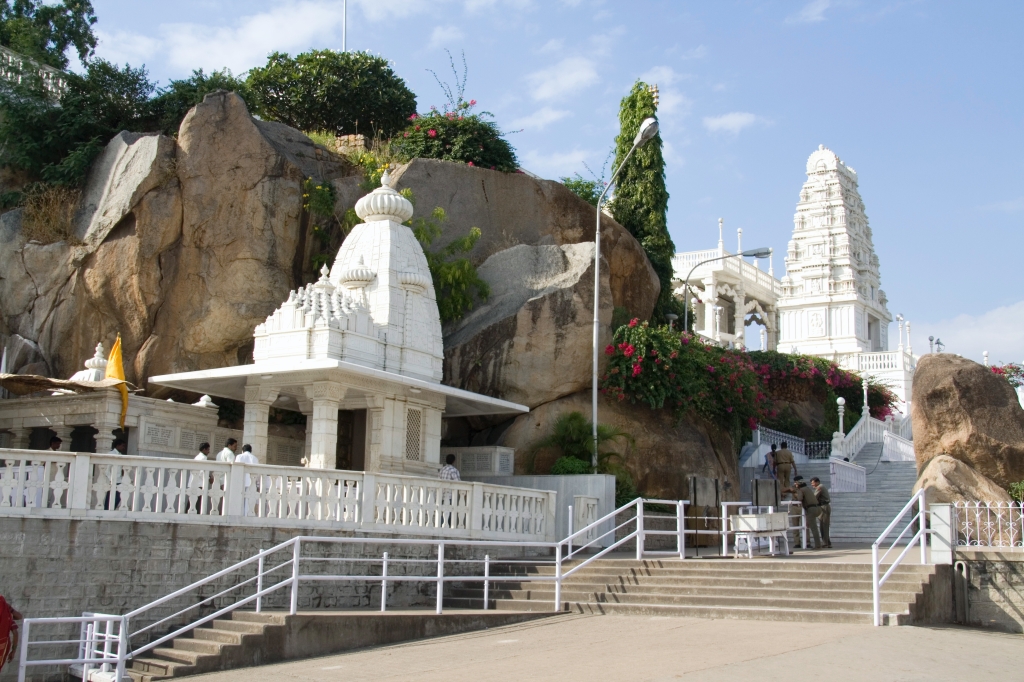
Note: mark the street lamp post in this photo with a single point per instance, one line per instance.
(749, 253)
(648, 129)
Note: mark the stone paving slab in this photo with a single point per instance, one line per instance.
(652, 649)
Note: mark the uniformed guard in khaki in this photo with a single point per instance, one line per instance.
(825, 504)
(784, 466)
(810, 504)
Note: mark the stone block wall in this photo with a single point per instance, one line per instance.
(994, 589)
(63, 567)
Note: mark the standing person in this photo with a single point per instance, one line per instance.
(825, 504)
(247, 458)
(785, 465)
(204, 452)
(769, 462)
(805, 496)
(448, 473)
(8, 631)
(228, 453)
(55, 442)
(119, 447)
(204, 455)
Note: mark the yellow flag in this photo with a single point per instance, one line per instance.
(115, 370)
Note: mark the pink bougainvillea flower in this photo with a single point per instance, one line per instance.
(637, 369)
(469, 163)
(674, 355)
(634, 321)
(432, 133)
(413, 117)
(405, 134)
(728, 409)
(622, 396)
(472, 102)
(417, 128)
(609, 350)
(629, 350)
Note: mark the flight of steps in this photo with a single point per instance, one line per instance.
(790, 590)
(219, 645)
(861, 517)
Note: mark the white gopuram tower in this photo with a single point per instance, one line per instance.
(832, 304)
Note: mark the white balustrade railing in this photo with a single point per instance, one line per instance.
(989, 524)
(45, 483)
(866, 430)
(917, 525)
(846, 477)
(897, 449)
(881, 361)
(904, 428)
(769, 436)
(13, 67)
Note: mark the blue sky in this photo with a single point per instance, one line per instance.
(924, 99)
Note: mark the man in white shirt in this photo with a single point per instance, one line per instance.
(247, 458)
(204, 451)
(228, 453)
(204, 455)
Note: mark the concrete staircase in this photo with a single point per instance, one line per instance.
(861, 517)
(779, 590)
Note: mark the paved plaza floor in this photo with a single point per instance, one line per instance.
(628, 648)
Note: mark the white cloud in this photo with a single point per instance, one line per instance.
(570, 75)
(556, 164)
(674, 103)
(444, 36)
(553, 45)
(662, 75)
(540, 119)
(732, 122)
(811, 13)
(1008, 206)
(698, 52)
(998, 331)
(122, 47)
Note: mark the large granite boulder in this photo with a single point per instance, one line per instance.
(187, 246)
(665, 452)
(515, 208)
(950, 480)
(531, 341)
(963, 410)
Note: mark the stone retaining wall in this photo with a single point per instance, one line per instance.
(62, 567)
(992, 591)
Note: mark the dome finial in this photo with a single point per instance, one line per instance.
(384, 203)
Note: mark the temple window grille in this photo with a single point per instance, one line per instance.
(413, 422)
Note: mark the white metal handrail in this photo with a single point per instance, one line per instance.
(897, 449)
(919, 518)
(98, 647)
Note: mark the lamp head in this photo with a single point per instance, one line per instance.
(756, 253)
(648, 129)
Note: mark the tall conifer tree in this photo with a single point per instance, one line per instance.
(641, 198)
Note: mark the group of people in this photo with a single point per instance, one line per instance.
(229, 454)
(815, 499)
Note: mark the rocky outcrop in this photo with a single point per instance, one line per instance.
(515, 208)
(665, 451)
(950, 480)
(963, 410)
(187, 246)
(531, 341)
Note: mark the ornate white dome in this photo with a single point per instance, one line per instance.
(384, 203)
(356, 276)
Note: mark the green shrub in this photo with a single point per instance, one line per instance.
(456, 282)
(588, 190)
(345, 93)
(173, 102)
(460, 136)
(1016, 491)
(570, 466)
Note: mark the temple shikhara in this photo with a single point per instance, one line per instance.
(829, 303)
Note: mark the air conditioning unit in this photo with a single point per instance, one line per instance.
(488, 460)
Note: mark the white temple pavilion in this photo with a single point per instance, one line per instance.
(830, 302)
(366, 339)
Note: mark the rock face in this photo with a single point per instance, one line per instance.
(514, 208)
(963, 410)
(531, 341)
(950, 480)
(664, 454)
(187, 246)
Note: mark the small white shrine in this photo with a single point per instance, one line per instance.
(361, 347)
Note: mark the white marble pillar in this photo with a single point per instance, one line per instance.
(104, 437)
(64, 433)
(740, 318)
(710, 304)
(20, 438)
(326, 397)
(258, 400)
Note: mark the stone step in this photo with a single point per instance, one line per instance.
(199, 646)
(818, 593)
(218, 635)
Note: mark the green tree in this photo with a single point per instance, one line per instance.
(459, 136)
(340, 92)
(173, 102)
(45, 31)
(588, 190)
(57, 144)
(641, 199)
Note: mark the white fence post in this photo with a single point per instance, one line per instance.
(384, 584)
(558, 577)
(296, 553)
(942, 540)
(681, 528)
(440, 577)
(476, 511)
(487, 581)
(235, 493)
(368, 503)
(569, 534)
(80, 474)
(639, 528)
